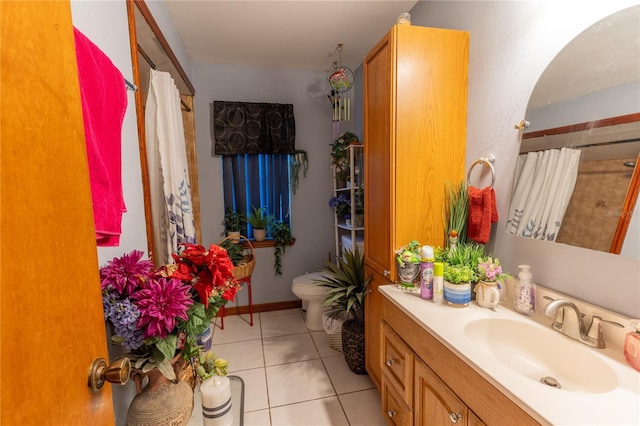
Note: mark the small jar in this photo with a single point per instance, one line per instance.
(632, 345)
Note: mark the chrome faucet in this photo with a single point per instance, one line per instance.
(568, 321)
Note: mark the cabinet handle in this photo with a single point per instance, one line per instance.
(386, 273)
(455, 417)
(391, 413)
(390, 362)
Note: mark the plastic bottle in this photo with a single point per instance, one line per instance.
(632, 345)
(426, 273)
(438, 282)
(524, 299)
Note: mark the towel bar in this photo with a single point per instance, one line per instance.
(484, 160)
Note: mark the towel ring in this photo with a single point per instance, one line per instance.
(483, 160)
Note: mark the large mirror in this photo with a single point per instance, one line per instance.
(151, 50)
(577, 177)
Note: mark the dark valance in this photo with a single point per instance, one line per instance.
(253, 128)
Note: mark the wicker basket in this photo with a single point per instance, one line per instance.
(245, 268)
(335, 340)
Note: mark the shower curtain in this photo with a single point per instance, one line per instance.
(544, 183)
(171, 206)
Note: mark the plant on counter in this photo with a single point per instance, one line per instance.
(490, 270)
(157, 314)
(455, 212)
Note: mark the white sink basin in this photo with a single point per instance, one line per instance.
(537, 353)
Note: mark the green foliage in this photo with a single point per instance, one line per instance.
(234, 250)
(234, 221)
(455, 210)
(340, 155)
(461, 263)
(299, 161)
(258, 218)
(457, 274)
(281, 234)
(347, 285)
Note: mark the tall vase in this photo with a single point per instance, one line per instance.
(353, 345)
(161, 402)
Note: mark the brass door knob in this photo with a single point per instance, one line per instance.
(117, 372)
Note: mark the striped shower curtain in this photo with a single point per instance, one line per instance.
(171, 206)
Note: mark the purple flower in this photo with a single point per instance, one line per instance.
(160, 303)
(123, 314)
(125, 274)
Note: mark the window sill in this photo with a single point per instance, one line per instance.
(266, 243)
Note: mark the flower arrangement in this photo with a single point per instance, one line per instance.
(341, 204)
(339, 155)
(158, 312)
(489, 269)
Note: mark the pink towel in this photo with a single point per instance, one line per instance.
(482, 213)
(104, 102)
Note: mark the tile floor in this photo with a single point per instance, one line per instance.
(291, 375)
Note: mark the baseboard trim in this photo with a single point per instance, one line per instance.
(263, 307)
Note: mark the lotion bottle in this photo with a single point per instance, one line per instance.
(524, 298)
(426, 273)
(438, 282)
(632, 345)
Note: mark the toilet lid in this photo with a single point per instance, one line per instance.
(306, 279)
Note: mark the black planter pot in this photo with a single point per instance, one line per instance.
(353, 345)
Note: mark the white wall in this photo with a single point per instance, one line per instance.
(511, 43)
(312, 218)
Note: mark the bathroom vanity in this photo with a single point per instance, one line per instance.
(474, 366)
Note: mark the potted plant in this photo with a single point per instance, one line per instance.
(408, 260)
(488, 288)
(341, 203)
(234, 223)
(258, 220)
(281, 234)
(345, 298)
(461, 272)
(455, 212)
(340, 156)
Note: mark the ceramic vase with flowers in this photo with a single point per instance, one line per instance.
(488, 289)
(158, 315)
(457, 284)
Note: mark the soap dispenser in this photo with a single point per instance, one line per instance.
(524, 298)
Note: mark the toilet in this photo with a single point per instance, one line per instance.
(312, 295)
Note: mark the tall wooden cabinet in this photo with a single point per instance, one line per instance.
(415, 105)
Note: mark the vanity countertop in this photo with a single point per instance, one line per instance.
(618, 405)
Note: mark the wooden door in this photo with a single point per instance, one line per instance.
(435, 403)
(372, 317)
(378, 163)
(52, 324)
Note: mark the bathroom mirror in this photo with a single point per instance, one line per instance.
(150, 49)
(587, 101)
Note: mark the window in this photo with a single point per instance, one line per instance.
(259, 180)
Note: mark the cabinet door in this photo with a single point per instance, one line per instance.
(372, 317)
(394, 410)
(397, 362)
(435, 403)
(378, 158)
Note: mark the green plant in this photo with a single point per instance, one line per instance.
(340, 154)
(464, 256)
(234, 250)
(299, 160)
(234, 221)
(455, 210)
(281, 234)
(457, 274)
(258, 218)
(347, 286)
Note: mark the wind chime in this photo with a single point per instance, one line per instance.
(341, 81)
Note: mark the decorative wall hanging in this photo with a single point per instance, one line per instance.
(341, 81)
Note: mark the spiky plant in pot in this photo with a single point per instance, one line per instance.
(345, 296)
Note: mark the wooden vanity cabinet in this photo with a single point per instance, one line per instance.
(415, 104)
(442, 389)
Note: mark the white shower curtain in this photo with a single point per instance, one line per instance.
(544, 183)
(171, 206)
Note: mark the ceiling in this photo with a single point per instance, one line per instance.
(283, 34)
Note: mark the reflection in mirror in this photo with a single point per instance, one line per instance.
(151, 50)
(586, 106)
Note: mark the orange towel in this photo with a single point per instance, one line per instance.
(104, 102)
(482, 213)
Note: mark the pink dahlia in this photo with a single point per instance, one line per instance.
(125, 274)
(160, 303)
